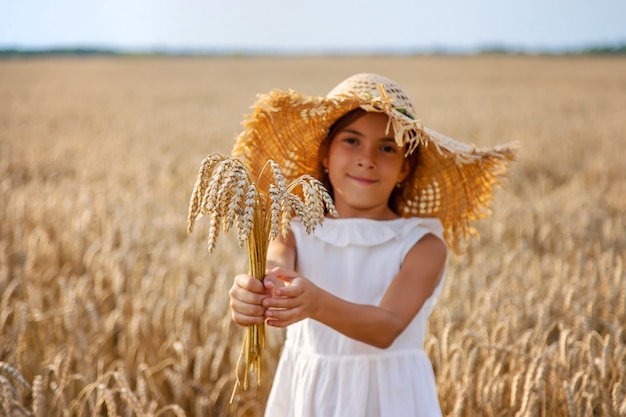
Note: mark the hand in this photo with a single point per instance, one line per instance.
(298, 300)
(246, 298)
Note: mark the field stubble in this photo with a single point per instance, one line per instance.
(108, 306)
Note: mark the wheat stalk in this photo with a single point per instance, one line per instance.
(227, 193)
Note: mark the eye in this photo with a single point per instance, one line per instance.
(389, 149)
(350, 140)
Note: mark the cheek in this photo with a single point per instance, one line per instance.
(335, 164)
(333, 157)
(392, 161)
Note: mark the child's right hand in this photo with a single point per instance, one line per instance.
(246, 299)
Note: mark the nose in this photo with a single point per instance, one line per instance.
(367, 157)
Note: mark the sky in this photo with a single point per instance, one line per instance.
(311, 26)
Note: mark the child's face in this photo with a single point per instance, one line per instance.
(364, 165)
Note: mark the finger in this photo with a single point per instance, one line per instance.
(282, 318)
(249, 283)
(245, 313)
(245, 320)
(247, 309)
(296, 288)
(242, 295)
(281, 302)
(269, 282)
(278, 323)
(285, 274)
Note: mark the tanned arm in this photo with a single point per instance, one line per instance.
(282, 252)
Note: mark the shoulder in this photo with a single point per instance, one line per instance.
(431, 243)
(429, 252)
(421, 234)
(424, 226)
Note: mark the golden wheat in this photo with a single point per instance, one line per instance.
(100, 283)
(218, 194)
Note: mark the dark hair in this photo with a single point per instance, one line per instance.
(396, 195)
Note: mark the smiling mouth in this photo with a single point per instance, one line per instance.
(360, 180)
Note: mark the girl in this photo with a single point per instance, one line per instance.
(355, 295)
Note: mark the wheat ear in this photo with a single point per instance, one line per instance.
(226, 192)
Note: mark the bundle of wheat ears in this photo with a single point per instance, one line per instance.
(227, 193)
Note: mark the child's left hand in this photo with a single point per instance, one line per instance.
(295, 301)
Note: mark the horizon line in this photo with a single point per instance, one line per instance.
(613, 48)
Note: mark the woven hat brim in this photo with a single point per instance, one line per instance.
(453, 181)
(288, 128)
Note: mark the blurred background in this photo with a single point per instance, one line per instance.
(109, 307)
(321, 27)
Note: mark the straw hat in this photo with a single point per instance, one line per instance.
(452, 181)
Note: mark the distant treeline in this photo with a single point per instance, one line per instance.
(617, 50)
(14, 52)
(593, 50)
(497, 50)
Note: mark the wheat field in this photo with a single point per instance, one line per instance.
(109, 307)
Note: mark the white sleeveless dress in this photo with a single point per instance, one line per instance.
(322, 373)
